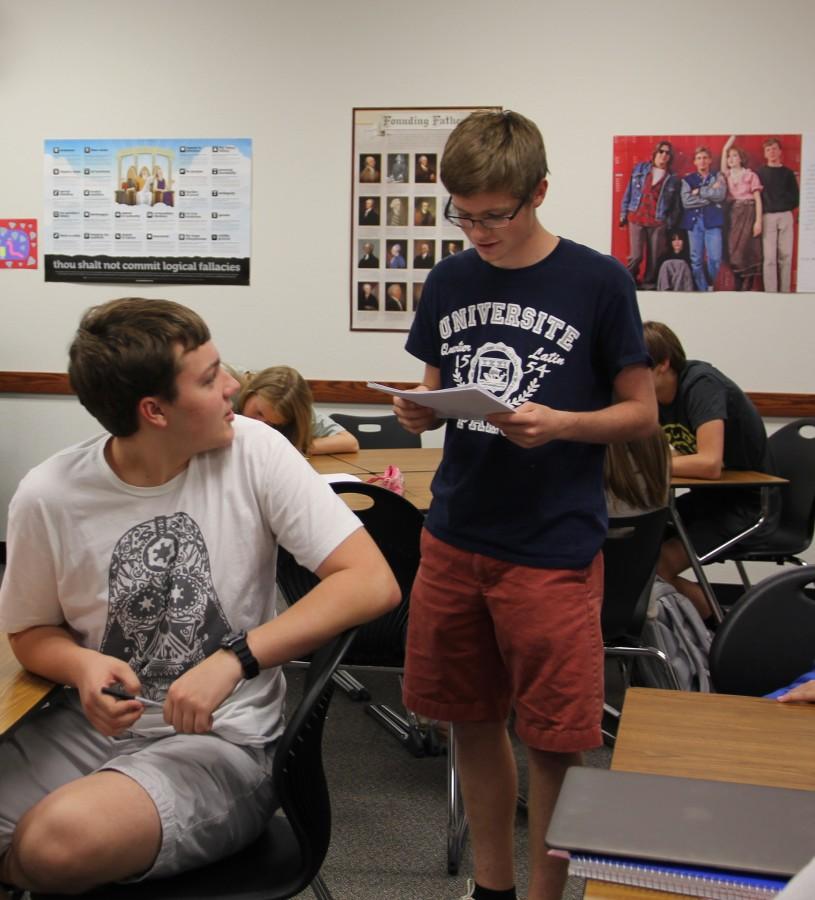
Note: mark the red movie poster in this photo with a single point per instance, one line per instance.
(687, 216)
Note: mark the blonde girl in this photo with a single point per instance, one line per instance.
(281, 397)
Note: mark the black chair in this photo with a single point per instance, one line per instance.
(377, 432)
(395, 525)
(630, 554)
(287, 857)
(794, 457)
(768, 638)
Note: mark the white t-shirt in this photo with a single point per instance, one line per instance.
(157, 576)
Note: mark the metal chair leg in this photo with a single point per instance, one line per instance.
(743, 573)
(356, 690)
(407, 733)
(320, 889)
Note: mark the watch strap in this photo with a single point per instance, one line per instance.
(237, 644)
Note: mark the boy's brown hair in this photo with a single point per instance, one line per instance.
(663, 344)
(125, 350)
(493, 151)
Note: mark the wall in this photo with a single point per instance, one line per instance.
(288, 74)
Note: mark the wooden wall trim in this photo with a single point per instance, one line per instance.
(34, 383)
(769, 404)
(783, 406)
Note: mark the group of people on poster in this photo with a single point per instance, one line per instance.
(683, 228)
(143, 187)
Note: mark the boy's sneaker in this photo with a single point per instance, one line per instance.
(470, 890)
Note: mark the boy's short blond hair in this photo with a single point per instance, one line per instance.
(494, 152)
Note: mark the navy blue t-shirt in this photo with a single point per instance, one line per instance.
(558, 333)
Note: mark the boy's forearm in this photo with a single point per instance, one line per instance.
(337, 603)
(49, 651)
(696, 465)
(356, 585)
(626, 420)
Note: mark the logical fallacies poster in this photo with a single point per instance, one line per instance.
(715, 212)
(171, 211)
(398, 229)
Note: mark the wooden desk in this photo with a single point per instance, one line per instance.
(20, 691)
(418, 465)
(331, 465)
(409, 459)
(729, 478)
(719, 737)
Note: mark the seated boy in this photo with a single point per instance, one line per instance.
(711, 425)
(146, 556)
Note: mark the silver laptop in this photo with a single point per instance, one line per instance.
(685, 821)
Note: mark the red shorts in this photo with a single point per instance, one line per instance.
(486, 635)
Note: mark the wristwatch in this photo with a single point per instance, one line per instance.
(236, 642)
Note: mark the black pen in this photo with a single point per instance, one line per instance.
(118, 691)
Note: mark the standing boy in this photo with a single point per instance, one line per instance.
(703, 193)
(780, 198)
(146, 556)
(649, 208)
(506, 605)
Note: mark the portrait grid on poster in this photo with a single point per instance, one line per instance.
(398, 227)
(706, 213)
(166, 211)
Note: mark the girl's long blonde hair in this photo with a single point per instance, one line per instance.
(638, 472)
(288, 392)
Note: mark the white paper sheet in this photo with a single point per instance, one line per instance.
(469, 401)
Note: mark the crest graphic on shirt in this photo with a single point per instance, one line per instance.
(164, 616)
(680, 438)
(497, 368)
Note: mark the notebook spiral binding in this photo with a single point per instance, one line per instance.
(693, 882)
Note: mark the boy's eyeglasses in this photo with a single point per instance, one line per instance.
(490, 222)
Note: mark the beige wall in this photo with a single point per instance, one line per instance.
(288, 74)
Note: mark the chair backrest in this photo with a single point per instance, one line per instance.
(377, 432)
(793, 453)
(768, 638)
(395, 525)
(298, 773)
(630, 555)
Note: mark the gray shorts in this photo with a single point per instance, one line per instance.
(213, 797)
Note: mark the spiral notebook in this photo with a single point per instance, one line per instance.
(686, 880)
(666, 831)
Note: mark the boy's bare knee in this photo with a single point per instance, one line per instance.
(51, 850)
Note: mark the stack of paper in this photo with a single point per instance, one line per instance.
(469, 401)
